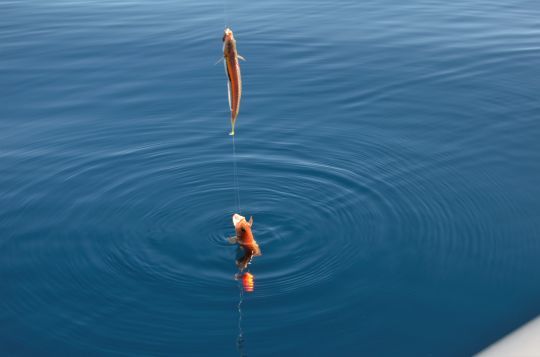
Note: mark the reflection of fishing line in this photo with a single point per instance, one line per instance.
(236, 184)
(240, 340)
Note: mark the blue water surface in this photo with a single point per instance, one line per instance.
(388, 151)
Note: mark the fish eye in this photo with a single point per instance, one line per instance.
(243, 229)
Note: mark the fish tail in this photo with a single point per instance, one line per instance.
(233, 121)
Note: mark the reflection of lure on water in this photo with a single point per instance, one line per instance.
(232, 68)
(244, 238)
(248, 282)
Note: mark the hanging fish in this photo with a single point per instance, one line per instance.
(232, 68)
(244, 238)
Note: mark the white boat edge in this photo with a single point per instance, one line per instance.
(523, 342)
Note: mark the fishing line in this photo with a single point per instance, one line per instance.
(236, 184)
(225, 14)
(240, 341)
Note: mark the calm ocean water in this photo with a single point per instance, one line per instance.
(388, 151)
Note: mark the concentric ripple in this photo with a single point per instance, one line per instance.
(148, 222)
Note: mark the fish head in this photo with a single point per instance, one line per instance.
(243, 229)
(236, 218)
(228, 35)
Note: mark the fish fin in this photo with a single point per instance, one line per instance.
(219, 60)
(232, 240)
(250, 221)
(229, 94)
(240, 57)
